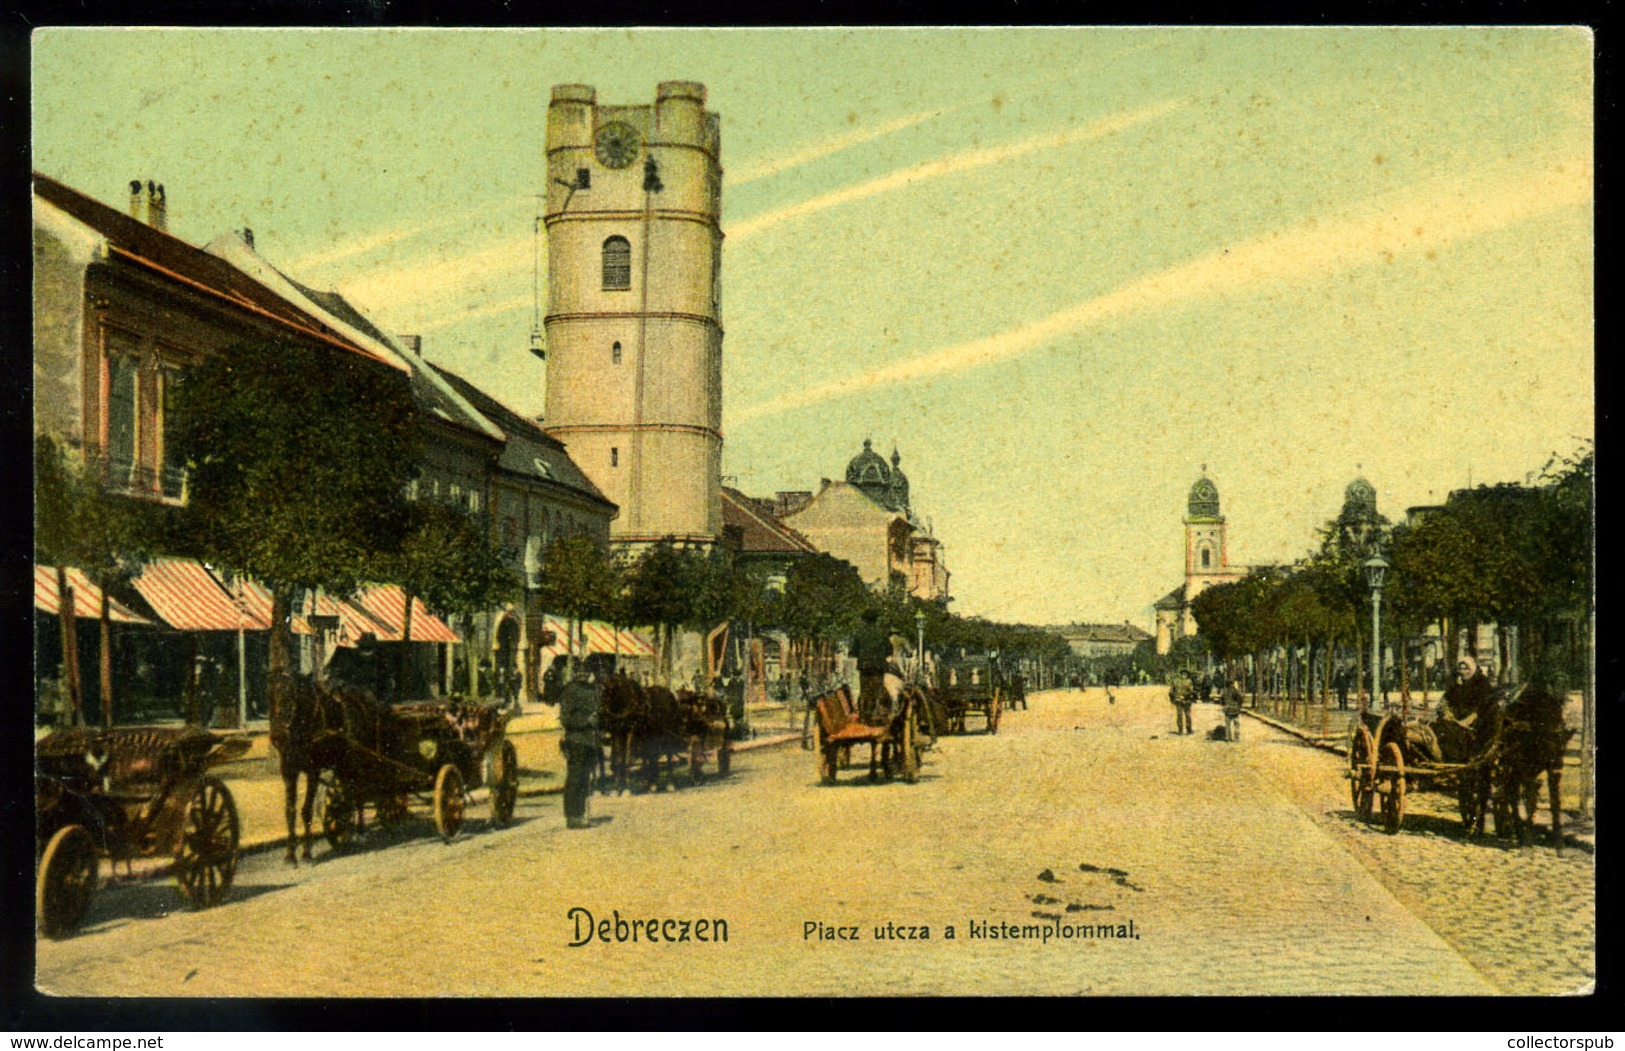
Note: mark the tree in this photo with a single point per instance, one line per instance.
(447, 559)
(661, 591)
(298, 459)
(581, 581)
(78, 522)
(823, 599)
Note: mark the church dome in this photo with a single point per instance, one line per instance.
(868, 468)
(1360, 499)
(1204, 499)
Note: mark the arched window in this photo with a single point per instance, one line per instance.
(617, 264)
(1207, 557)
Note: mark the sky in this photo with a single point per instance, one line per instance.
(1059, 270)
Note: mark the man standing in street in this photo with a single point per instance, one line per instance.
(579, 703)
(1182, 694)
(871, 648)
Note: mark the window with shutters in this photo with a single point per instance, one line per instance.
(121, 415)
(617, 264)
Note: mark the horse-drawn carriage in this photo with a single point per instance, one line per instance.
(654, 728)
(968, 686)
(128, 793)
(381, 755)
(1491, 769)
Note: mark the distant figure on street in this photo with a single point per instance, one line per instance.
(1232, 711)
(579, 705)
(1342, 682)
(871, 648)
(1111, 682)
(1182, 694)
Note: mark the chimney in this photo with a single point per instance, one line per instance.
(157, 212)
(412, 343)
(135, 200)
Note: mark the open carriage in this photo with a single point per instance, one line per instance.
(970, 686)
(131, 793)
(384, 756)
(896, 746)
(1388, 757)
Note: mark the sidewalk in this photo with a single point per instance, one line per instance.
(1578, 831)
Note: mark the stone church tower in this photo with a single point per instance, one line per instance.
(1205, 555)
(634, 332)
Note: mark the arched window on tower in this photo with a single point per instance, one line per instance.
(1207, 556)
(617, 264)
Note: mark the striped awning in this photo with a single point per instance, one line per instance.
(604, 638)
(87, 597)
(189, 598)
(353, 623)
(386, 603)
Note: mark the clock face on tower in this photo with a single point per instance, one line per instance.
(617, 144)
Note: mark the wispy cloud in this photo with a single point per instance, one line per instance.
(442, 278)
(1422, 219)
(751, 172)
(954, 164)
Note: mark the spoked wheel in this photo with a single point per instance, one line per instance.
(338, 813)
(66, 881)
(911, 755)
(1393, 799)
(207, 859)
(448, 802)
(504, 784)
(1362, 771)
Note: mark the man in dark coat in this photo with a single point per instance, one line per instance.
(871, 647)
(1232, 710)
(1182, 694)
(579, 704)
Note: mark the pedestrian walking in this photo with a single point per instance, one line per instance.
(1232, 711)
(1111, 682)
(579, 705)
(1343, 689)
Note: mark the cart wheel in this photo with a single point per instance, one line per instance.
(1362, 771)
(448, 802)
(207, 859)
(338, 813)
(66, 881)
(911, 755)
(504, 784)
(1393, 800)
(725, 757)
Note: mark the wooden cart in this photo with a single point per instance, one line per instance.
(130, 793)
(895, 747)
(1384, 764)
(970, 686)
(437, 751)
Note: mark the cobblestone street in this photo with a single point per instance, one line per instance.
(1239, 868)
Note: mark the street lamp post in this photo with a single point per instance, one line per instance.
(919, 633)
(1376, 569)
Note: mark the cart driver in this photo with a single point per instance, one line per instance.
(1467, 714)
(871, 647)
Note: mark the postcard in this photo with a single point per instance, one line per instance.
(825, 512)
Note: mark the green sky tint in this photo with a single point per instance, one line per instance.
(1287, 254)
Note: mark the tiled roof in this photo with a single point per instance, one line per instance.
(529, 451)
(1105, 633)
(761, 532)
(161, 251)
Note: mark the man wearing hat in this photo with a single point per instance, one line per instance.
(871, 647)
(579, 703)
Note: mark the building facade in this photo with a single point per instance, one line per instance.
(1103, 640)
(634, 331)
(867, 521)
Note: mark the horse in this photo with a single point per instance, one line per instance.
(300, 710)
(658, 734)
(1534, 741)
(621, 710)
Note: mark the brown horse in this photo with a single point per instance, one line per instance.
(620, 712)
(295, 722)
(1534, 741)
